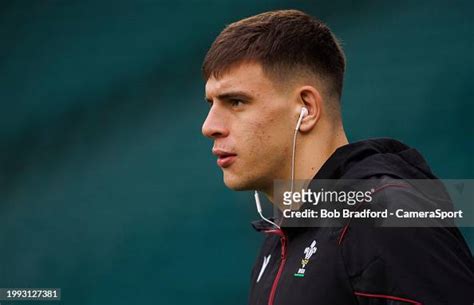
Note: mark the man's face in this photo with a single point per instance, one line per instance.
(251, 123)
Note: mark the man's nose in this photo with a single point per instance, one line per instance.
(214, 125)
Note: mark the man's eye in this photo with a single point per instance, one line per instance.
(236, 102)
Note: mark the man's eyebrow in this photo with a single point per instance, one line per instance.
(231, 95)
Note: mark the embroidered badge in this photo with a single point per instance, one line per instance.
(308, 252)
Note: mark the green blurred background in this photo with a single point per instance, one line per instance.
(109, 191)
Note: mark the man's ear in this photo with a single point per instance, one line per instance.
(312, 100)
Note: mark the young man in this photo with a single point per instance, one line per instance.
(260, 72)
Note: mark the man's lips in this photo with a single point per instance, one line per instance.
(224, 158)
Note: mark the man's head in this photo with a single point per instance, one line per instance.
(260, 71)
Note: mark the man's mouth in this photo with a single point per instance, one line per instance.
(224, 158)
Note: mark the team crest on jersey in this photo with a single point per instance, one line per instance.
(308, 252)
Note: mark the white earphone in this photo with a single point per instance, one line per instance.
(303, 113)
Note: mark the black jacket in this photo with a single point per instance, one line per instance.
(365, 264)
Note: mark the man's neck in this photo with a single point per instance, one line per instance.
(311, 154)
(316, 152)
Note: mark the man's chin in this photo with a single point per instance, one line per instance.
(236, 184)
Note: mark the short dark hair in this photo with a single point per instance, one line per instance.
(282, 41)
